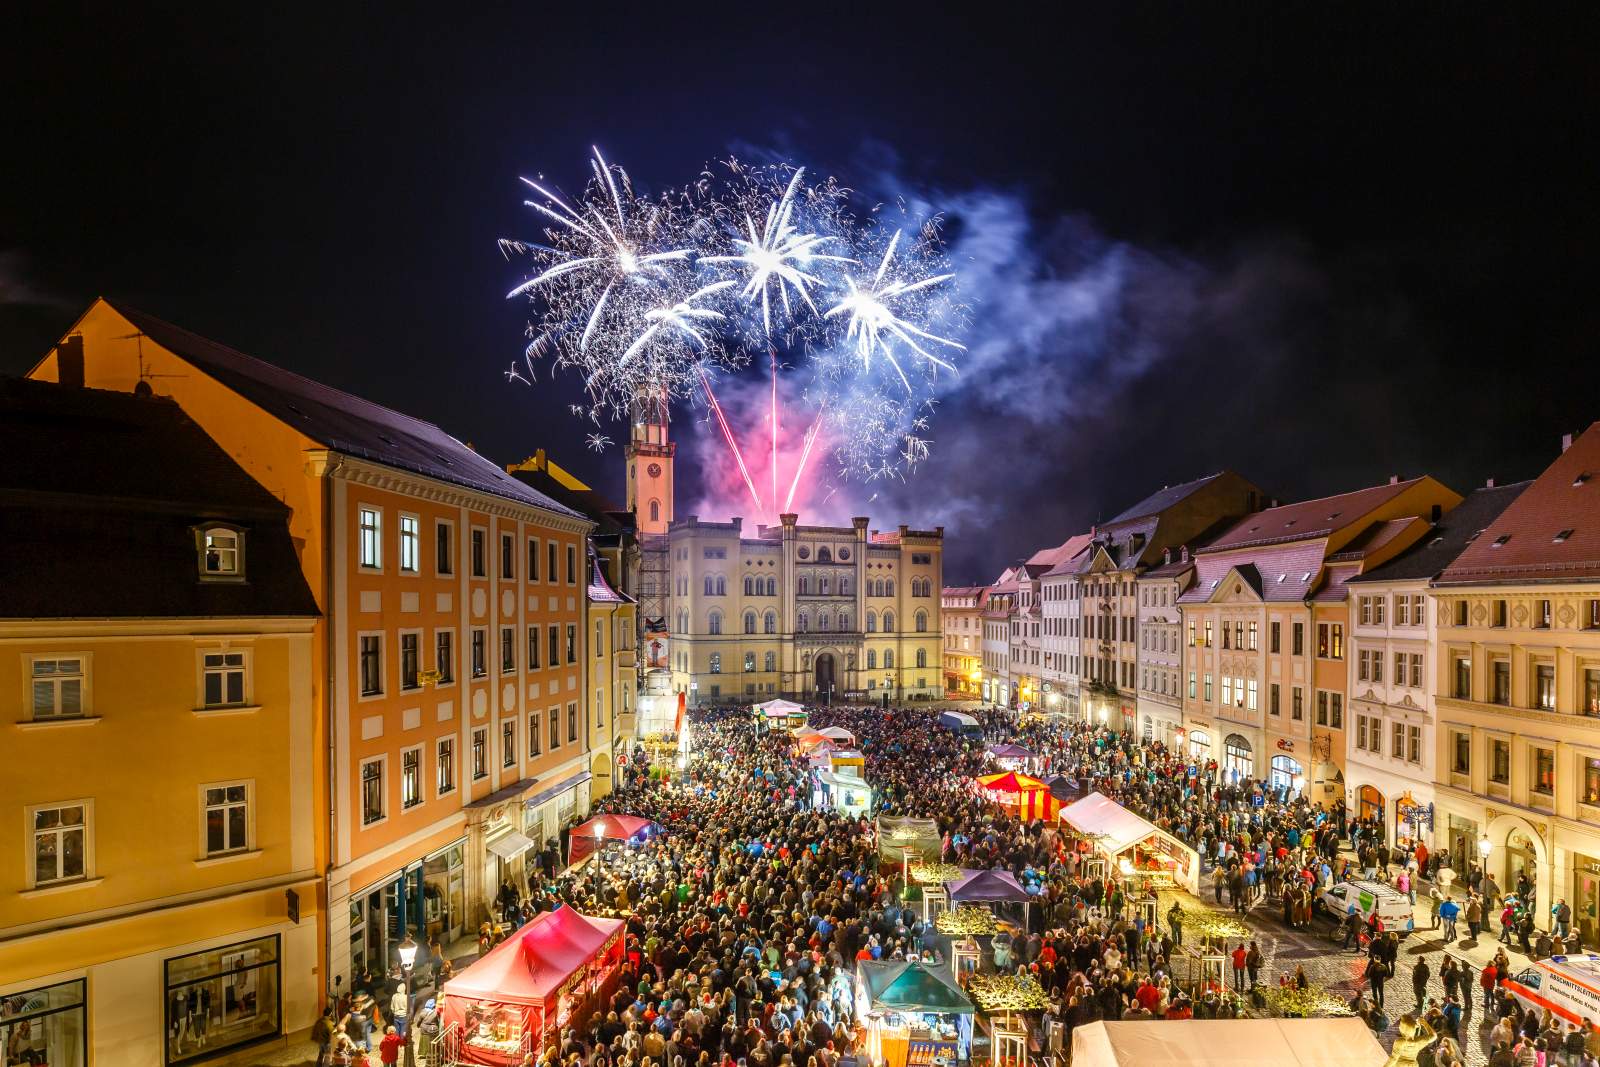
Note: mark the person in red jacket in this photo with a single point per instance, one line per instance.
(1240, 956)
(389, 1048)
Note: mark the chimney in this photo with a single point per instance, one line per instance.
(1185, 553)
(69, 361)
(1489, 484)
(1394, 479)
(1566, 441)
(1166, 554)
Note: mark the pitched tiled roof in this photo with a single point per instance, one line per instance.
(1439, 547)
(1309, 518)
(1285, 572)
(1067, 555)
(339, 421)
(1164, 498)
(101, 493)
(600, 591)
(1521, 544)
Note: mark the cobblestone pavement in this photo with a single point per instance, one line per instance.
(1340, 969)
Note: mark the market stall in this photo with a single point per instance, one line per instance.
(1029, 797)
(781, 714)
(516, 999)
(990, 887)
(1227, 1043)
(1133, 846)
(844, 793)
(915, 1015)
(839, 734)
(1011, 757)
(591, 836)
(960, 722)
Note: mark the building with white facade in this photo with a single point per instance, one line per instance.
(962, 623)
(1390, 745)
(999, 602)
(1160, 704)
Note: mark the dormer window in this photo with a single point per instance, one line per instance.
(1562, 535)
(222, 552)
(1498, 541)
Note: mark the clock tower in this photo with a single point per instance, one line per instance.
(650, 467)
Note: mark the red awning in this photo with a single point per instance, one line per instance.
(611, 827)
(529, 966)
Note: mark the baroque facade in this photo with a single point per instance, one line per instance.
(813, 612)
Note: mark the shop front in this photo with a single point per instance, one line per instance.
(222, 998)
(1371, 807)
(46, 1025)
(1238, 758)
(1287, 774)
(1199, 745)
(1584, 898)
(426, 899)
(1461, 838)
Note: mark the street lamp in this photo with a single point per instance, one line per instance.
(1484, 847)
(408, 954)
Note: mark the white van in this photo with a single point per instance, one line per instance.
(1393, 907)
(1567, 985)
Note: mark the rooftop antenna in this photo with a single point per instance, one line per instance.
(138, 338)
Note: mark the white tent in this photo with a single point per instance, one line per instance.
(1228, 1043)
(838, 733)
(1115, 830)
(780, 708)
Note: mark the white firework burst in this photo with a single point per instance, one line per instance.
(883, 313)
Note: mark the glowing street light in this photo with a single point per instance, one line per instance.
(408, 953)
(1484, 847)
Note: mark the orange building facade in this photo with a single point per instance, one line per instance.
(449, 666)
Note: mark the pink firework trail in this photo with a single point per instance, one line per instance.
(773, 355)
(805, 454)
(727, 435)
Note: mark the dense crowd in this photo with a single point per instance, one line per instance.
(749, 908)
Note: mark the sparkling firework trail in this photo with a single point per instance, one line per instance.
(727, 435)
(773, 355)
(805, 454)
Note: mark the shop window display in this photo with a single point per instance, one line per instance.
(44, 1027)
(221, 998)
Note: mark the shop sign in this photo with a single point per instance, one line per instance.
(1285, 744)
(1419, 816)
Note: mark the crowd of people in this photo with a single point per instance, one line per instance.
(749, 909)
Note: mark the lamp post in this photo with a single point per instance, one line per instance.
(408, 957)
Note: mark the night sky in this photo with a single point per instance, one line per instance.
(1320, 249)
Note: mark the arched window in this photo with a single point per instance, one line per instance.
(872, 622)
(683, 622)
(877, 587)
(822, 585)
(722, 587)
(714, 622)
(748, 582)
(716, 663)
(769, 623)
(749, 622)
(888, 587)
(711, 586)
(655, 511)
(772, 587)
(922, 657)
(888, 659)
(822, 621)
(749, 662)
(823, 555)
(844, 621)
(222, 552)
(872, 659)
(888, 622)
(805, 585)
(802, 622)
(770, 663)
(922, 622)
(844, 587)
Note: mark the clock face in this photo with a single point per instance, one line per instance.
(655, 470)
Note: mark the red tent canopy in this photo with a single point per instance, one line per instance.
(1010, 782)
(529, 966)
(611, 827)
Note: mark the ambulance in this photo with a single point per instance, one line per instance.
(1567, 985)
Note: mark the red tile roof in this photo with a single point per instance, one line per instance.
(1521, 544)
(1307, 519)
(1286, 572)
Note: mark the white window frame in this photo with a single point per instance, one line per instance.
(507, 554)
(455, 656)
(383, 789)
(488, 564)
(382, 667)
(400, 660)
(362, 511)
(416, 544)
(201, 653)
(533, 566)
(85, 685)
(455, 768)
(488, 757)
(501, 760)
(422, 793)
(203, 535)
(30, 866)
(500, 647)
(249, 844)
(455, 549)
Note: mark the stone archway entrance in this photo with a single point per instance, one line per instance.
(825, 681)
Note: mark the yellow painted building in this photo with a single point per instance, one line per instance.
(448, 669)
(159, 868)
(612, 662)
